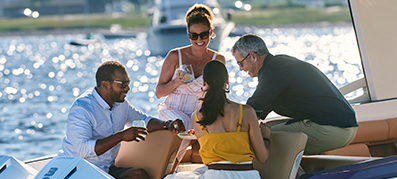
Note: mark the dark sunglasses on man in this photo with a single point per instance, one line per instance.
(202, 35)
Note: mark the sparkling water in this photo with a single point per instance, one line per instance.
(40, 77)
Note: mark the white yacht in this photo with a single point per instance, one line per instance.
(168, 26)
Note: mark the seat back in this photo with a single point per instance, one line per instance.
(156, 154)
(286, 150)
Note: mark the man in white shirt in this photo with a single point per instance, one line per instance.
(96, 120)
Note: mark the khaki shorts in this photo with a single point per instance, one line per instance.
(321, 138)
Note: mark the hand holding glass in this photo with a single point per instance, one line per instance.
(187, 73)
(139, 123)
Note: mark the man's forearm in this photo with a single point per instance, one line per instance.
(156, 124)
(103, 145)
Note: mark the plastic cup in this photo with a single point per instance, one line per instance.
(139, 123)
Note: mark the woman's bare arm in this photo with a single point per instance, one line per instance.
(165, 84)
(257, 142)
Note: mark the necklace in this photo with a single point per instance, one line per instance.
(197, 59)
(198, 62)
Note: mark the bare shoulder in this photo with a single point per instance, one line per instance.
(172, 54)
(172, 58)
(248, 108)
(196, 114)
(235, 107)
(220, 57)
(249, 112)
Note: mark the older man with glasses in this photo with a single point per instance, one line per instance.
(299, 91)
(96, 120)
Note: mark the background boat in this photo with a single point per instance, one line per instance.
(168, 26)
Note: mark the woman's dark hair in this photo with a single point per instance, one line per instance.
(199, 13)
(106, 71)
(215, 75)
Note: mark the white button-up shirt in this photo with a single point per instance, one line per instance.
(90, 118)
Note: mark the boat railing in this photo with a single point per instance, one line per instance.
(354, 86)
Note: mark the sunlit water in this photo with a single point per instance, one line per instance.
(40, 77)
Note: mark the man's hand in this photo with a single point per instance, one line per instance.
(176, 126)
(133, 134)
(265, 130)
(129, 134)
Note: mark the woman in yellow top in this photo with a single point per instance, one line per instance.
(226, 131)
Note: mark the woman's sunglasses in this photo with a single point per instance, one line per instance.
(203, 35)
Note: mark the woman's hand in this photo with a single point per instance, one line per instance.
(180, 77)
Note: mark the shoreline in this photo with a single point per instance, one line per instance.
(145, 29)
(67, 31)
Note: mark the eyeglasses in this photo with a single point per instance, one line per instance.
(240, 63)
(123, 83)
(203, 35)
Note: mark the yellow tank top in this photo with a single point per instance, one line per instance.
(225, 146)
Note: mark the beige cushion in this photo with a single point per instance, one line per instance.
(372, 131)
(368, 132)
(359, 149)
(156, 154)
(392, 128)
(286, 149)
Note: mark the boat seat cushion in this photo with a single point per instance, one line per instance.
(372, 131)
(359, 149)
(286, 150)
(392, 128)
(369, 133)
(156, 154)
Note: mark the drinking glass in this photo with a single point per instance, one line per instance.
(139, 123)
(188, 72)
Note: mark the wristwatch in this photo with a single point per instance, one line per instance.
(166, 124)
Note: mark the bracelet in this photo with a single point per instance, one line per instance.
(166, 124)
(266, 139)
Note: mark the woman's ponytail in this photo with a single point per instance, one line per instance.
(215, 76)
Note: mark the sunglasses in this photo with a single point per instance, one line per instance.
(123, 83)
(202, 35)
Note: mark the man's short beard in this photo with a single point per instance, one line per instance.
(116, 96)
